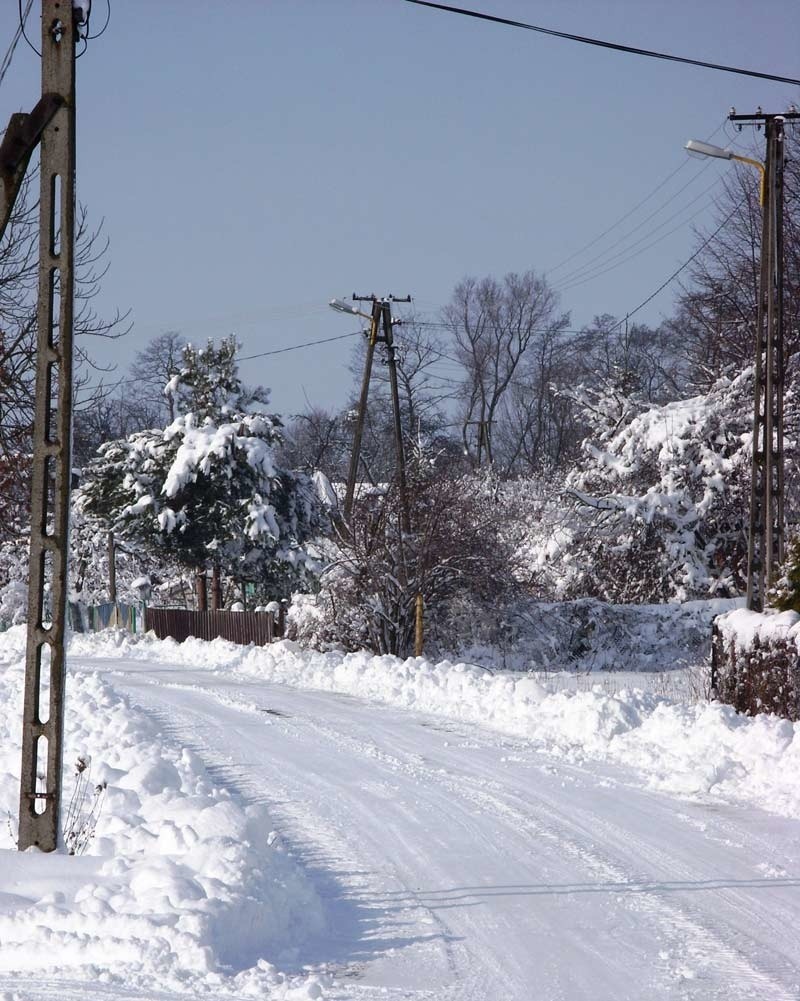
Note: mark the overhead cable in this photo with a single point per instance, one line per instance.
(616, 46)
(17, 35)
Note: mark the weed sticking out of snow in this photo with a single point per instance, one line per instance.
(174, 883)
(84, 808)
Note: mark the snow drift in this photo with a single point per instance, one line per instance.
(182, 887)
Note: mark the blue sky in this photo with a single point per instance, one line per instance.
(253, 159)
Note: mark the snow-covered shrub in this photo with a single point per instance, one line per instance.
(785, 593)
(13, 603)
(660, 502)
(756, 661)
(455, 556)
(205, 492)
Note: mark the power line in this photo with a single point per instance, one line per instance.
(262, 354)
(662, 184)
(587, 265)
(297, 347)
(17, 35)
(588, 274)
(22, 20)
(616, 46)
(685, 264)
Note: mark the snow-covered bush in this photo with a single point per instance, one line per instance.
(207, 489)
(659, 504)
(13, 603)
(757, 662)
(457, 556)
(785, 594)
(201, 492)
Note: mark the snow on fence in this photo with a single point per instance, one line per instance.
(238, 627)
(755, 662)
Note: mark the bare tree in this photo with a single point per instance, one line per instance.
(494, 323)
(317, 440)
(536, 429)
(19, 267)
(713, 331)
(152, 369)
(458, 556)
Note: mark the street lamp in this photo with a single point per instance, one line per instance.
(706, 149)
(765, 544)
(345, 307)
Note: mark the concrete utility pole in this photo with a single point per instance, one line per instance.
(43, 714)
(766, 537)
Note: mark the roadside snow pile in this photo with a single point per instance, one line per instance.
(591, 635)
(706, 749)
(180, 888)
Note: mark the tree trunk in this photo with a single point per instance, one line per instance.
(201, 590)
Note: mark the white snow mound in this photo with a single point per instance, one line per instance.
(181, 887)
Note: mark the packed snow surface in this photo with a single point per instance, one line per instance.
(701, 749)
(286, 824)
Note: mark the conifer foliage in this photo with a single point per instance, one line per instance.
(207, 489)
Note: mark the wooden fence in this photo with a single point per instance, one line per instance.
(238, 627)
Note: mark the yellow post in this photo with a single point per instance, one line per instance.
(419, 635)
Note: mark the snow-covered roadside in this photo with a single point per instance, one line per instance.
(181, 888)
(689, 750)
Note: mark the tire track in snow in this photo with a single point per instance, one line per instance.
(541, 820)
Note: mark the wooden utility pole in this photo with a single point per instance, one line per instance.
(43, 714)
(201, 589)
(399, 448)
(483, 427)
(355, 456)
(381, 312)
(216, 588)
(419, 626)
(765, 544)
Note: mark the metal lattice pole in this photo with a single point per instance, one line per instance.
(43, 714)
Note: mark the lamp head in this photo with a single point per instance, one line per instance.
(343, 307)
(706, 149)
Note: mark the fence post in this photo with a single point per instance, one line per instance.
(715, 654)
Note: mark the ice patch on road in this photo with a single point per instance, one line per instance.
(180, 889)
(691, 750)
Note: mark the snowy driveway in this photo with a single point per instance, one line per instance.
(458, 863)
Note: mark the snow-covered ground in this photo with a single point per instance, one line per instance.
(286, 824)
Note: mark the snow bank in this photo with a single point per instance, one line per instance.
(697, 750)
(182, 886)
(590, 635)
(742, 627)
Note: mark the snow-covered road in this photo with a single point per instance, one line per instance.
(459, 863)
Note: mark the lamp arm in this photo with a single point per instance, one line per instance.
(759, 166)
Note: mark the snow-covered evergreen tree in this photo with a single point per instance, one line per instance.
(208, 384)
(206, 489)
